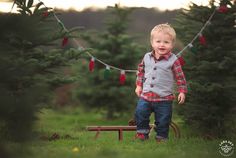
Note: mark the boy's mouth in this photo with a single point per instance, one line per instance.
(161, 49)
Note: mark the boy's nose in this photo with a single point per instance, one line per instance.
(162, 43)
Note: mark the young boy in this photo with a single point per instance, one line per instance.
(157, 73)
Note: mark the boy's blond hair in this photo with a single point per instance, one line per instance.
(166, 28)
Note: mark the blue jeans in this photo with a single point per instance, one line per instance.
(162, 112)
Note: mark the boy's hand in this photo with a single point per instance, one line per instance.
(181, 98)
(138, 90)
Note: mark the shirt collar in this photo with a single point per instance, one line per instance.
(166, 56)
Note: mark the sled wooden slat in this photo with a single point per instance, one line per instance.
(120, 129)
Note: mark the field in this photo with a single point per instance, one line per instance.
(62, 134)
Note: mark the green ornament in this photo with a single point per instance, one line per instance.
(107, 72)
(193, 49)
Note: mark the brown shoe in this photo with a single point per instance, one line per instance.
(161, 140)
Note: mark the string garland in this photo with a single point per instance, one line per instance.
(202, 40)
(199, 35)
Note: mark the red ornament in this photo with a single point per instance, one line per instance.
(181, 61)
(223, 9)
(202, 39)
(45, 14)
(65, 41)
(122, 77)
(91, 64)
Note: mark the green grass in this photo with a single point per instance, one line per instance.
(72, 122)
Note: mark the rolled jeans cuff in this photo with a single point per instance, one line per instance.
(160, 137)
(144, 131)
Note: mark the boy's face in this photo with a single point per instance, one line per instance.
(162, 43)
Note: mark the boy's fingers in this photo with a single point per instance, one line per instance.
(137, 93)
(181, 99)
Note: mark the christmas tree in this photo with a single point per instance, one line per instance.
(105, 87)
(210, 67)
(28, 65)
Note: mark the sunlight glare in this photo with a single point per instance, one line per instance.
(79, 5)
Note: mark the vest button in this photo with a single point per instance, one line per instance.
(151, 85)
(153, 78)
(154, 68)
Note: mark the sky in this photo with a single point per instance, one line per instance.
(81, 4)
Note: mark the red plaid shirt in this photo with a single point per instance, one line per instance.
(178, 74)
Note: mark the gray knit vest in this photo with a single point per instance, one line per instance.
(159, 77)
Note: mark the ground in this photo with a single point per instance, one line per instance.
(62, 133)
